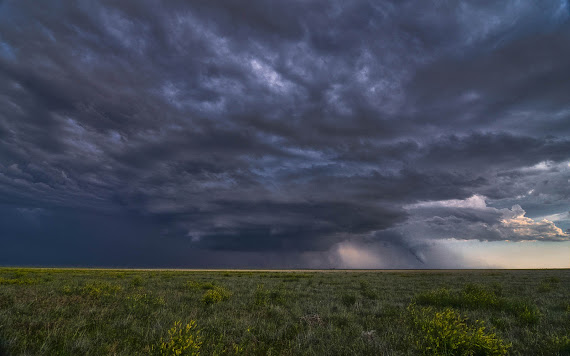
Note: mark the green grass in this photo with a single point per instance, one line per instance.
(474, 296)
(130, 312)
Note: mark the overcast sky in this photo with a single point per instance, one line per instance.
(376, 134)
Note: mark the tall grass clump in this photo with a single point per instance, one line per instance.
(181, 340)
(144, 301)
(472, 296)
(448, 333)
(367, 291)
(549, 284)
(265, 296)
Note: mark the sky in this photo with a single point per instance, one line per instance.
(285, 134)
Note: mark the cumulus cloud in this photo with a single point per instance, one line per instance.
(472, 219)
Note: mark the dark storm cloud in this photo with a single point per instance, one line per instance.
(277, 127)
(296, 226)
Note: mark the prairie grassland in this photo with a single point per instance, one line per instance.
(166, 312)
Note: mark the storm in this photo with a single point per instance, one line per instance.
(285, 134)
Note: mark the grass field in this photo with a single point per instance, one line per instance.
(138, 312)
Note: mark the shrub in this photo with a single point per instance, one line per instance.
(26, 281)
(528, 314)
(497, 289)
(181, 340)
(447, 333)
(557, 345)
(472, 296)
(19, 274)
(367, 291)
(264, 296)
(477, 296)
(142, 301)
(120, 275)
(67, 290)
(199, 285)
(545, 287)
(293, 275)
(215, 295)
(100, 289)
(137, 281)
(6, 300)
(261, 295)
(348, 300)
(499, 323)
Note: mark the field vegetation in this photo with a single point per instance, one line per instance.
(136, 312)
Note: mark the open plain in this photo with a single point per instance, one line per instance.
(257, 312)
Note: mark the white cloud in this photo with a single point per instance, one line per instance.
(475, 202)
(268, 75)
(541, 166)
(519, 227)
(556, 217)
(472, 219)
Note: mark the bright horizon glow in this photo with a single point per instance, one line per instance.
(517, 255)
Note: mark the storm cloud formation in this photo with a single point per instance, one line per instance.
(280, 133)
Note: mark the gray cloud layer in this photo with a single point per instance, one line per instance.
(278, 127)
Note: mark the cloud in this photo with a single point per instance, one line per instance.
(523, 228)
(556, 217)
(472, 219)
(476, 202)
(285, 129)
